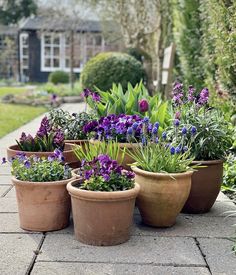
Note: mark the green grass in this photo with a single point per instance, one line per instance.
(14, 116)
(11, 90)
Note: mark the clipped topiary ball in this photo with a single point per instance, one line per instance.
(111, 67)
(58, 77)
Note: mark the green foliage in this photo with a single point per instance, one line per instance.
(138, 54)
(40, 170)
(157, 158)
(70, 124)
(111, 67)
(11, 11)
(119, 101)
(58, 77)
(91, 150)
(229, 179)
(187, 36)
(213, 138)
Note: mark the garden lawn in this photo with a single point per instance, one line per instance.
(13, 116)
(11, 90)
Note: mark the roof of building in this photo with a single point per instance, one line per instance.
(8, 30)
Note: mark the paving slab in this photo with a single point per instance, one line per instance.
(56, 268)
(8, 205)
(219, 255)
(11, 193)
(190, 226)
(5, 179)
(17, 252)
(10, 223)
(139, 249)
(4, 190)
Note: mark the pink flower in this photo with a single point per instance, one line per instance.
(143, 105)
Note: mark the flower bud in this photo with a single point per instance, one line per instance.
(143, 105)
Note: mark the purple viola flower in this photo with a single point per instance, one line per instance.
(106, 177)
(4, 160)
(88, 174)
(143, 105)
(184, 131)
(27, 164)
(129, 174)
(176, 122)
(86, 93)
(51, 158)
(172, 150)
(21, 157)
(53, 97)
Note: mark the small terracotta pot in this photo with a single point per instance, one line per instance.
(102, 218)
(127, 159)
(43, 206)
(161, 196)
(68, 153)
(206, 184)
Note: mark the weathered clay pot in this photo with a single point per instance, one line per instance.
(102, 218)
(161, 196)
(127, 159)
(43, 206)
(68, 153)
(206, 184)
(74, 173)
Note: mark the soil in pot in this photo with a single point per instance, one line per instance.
(206, 184)
(43, 206)
(161, 196)
(102, 218)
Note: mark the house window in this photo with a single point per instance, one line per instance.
(51, 52)
(24, 56)
(55, 50)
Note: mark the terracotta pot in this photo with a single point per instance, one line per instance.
(74, 173)
(43, 206)
(206, 184)
(68, 153)
(127, 159)
(102, 218)
(161, 196)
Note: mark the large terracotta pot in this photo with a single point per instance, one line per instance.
(102, 218)
(68, 153)
(127, 159)
(161, 196)
(43, 206)
(206, 184)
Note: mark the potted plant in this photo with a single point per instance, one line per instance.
(212, 140)
(162, 170)
(103, 201)
(43, 144)
(70, 124)
(40, 184)
(125, 129)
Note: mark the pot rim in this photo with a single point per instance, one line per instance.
(46, 183)
(101, 195)
(215, 161)
(15, 148)
(121, 144)
(73, 140)
(160, 175)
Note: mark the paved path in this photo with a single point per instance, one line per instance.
(197, 244)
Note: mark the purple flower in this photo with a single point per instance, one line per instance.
(191, 92)
(176, 122)
(53, 97)
(96, 97)
(4, 160)
(86, 93)
(156, 140)
(156, 124)
(59, 137)
(185, 149)
(143, 105)
(58, 154)
(129, 174)
(106, 177)
(44, 128)
(177, 115)
(177, 150)
(164, 136)
(88, 174)
(178, 93)
(203, 98)
(193, 130)
(135, 125)
(51, 158)
(154, 130)
(184, 131)
(27, 164)
(146, 120)
(21, 157)
(23, 137)
(172, 150)
(130, 131)
(144, 141)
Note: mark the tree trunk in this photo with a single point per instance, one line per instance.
(72, 56)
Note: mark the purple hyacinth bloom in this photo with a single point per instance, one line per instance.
(204, 96)
(178, 93)
(164, 136)
(59, 137)
(154, 130)
(146, 120)
(176, 122)
(193, 130)
(177, 150)
(130, 131)
(191, 92)
(23, 137)
(185, 149)
(156, 124)
(144, 141)
(135, 125)
(184, 131)
(4, 160)
(143, 105)
(156, 140)
(172, 150)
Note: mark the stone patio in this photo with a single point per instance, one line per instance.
(196, 244)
